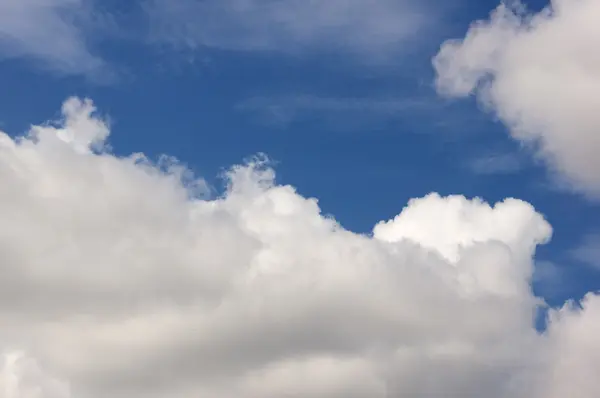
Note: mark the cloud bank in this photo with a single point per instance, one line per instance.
(356, 26)
(119, 280)
(540, 74)
(51, 32)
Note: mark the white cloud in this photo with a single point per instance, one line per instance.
(117, 282)
(50, 32)
(540, 73)
(292, 26)
(575, 352)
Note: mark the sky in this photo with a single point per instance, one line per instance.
(325, 198)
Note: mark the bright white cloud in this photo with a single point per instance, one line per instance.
(117, 281)
(50, 32)
(540, 73)
(358, 26)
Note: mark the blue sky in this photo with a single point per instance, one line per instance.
(397, 110)
(361, 136)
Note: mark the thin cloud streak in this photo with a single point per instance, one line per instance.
(496, 163)
(588, 251)
(368, 28)
(364, 113)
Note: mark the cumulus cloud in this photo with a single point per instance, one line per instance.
(119, 280)
(540, 74)
(50, 32)
(356, 26)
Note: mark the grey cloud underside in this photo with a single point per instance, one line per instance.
(118, 283)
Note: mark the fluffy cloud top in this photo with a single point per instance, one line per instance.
(118, 281)
(361, 26)
(49, 31)
(540, 73)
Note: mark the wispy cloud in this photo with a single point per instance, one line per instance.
(419, 114)
(588, 251)
(549, 279)
(59, 35)
(50, 32)
(337, 111)
(496, 163)
(355, 26)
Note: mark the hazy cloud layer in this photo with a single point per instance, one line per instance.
(345, 113)
(416, 114)
(118, 282)
(496, 163)
(588, 251)
(51, 32)
(540, 74)
(62, 35)
(363, 27)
